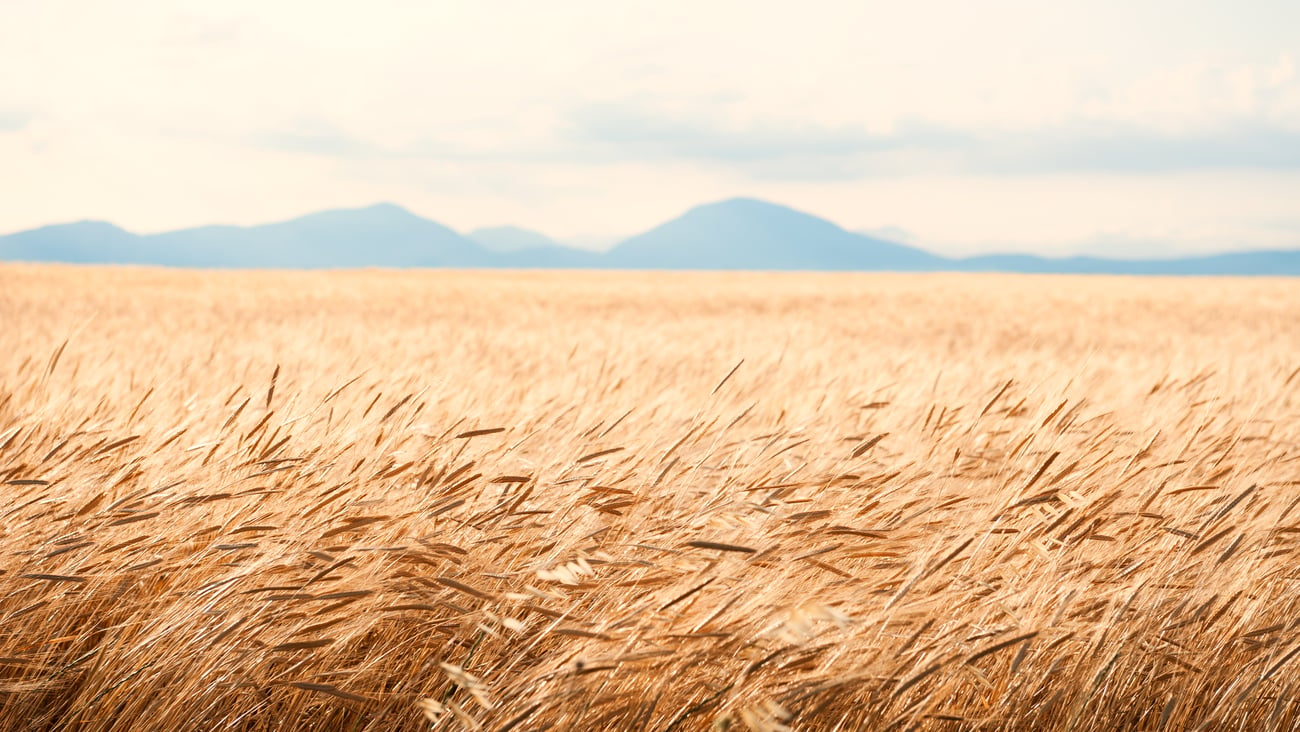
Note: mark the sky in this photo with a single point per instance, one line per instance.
(1120, 127)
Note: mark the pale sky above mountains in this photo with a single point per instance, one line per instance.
(1171, 127)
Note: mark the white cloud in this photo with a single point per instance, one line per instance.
(13, 120)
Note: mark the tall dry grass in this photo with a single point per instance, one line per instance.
(380, 501)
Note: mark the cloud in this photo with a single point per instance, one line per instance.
(773, 149)
(320, 137)
(1109, 149)
(14, 120)
(776, 149)
(762, 148)
(209, 33)
(315, 141)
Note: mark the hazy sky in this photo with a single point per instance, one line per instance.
(1125, 126)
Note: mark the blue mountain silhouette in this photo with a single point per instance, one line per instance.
(745, 233)
(739, 234)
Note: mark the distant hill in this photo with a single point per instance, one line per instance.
(79, 242)
(740, 234)
(376, 236)
(526, 249)
(1277, 263)
(511, 239)
(745, 233)
(383, 235)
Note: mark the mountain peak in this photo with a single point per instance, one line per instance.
(375, 211)
(742, 205)
(88, 226)
(385, 207)
(748, 233)
(758, 215)
(383, 216)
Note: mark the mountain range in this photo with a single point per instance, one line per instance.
(737, 234)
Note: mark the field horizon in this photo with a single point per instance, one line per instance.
(381, 500)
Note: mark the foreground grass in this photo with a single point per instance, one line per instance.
(383, 501)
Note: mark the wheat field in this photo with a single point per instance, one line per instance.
(605, 501)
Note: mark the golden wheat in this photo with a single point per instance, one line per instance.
(382, 500)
